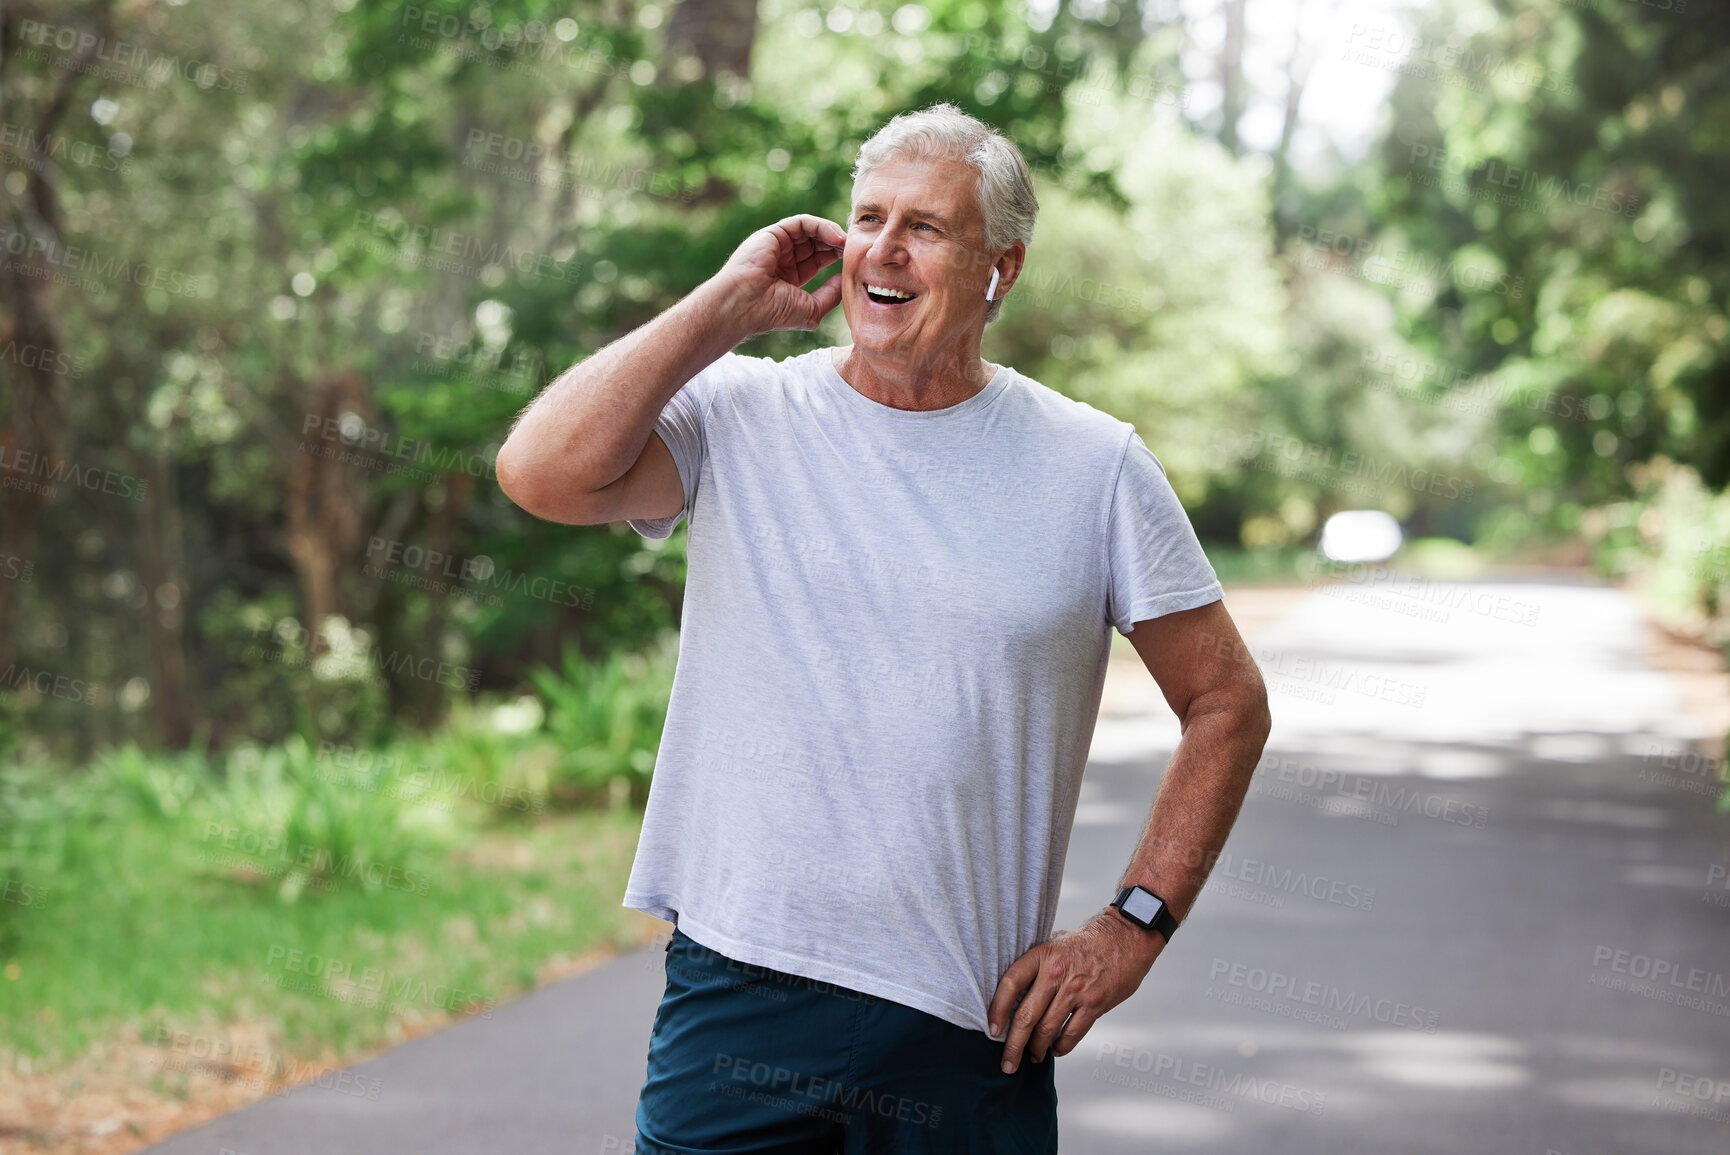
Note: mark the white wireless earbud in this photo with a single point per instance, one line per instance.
(992, 287)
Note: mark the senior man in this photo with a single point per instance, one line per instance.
(904, 567)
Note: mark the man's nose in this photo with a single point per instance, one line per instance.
(889, 246)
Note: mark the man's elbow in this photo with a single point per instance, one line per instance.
(515, 482)
(1256, 713)
(525, 486)
(548, 498)
(1243, 700)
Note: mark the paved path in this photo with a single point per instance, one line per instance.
(1476, 903)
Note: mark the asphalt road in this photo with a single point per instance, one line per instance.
(1476, 902)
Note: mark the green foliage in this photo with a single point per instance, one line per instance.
(135, 930)
(1587, 186)
(605, 719)
(385, 235)
(158, 787)
(1673, 538)
(373, 270)
(36, 813)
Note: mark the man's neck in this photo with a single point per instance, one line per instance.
(900, 385)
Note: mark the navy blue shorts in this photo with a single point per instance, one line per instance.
(747, 1059)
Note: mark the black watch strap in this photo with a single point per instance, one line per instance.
(1147, 910)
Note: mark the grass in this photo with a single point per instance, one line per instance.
(172, 923)
(144, 928)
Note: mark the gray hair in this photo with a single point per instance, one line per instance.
(1005, 189)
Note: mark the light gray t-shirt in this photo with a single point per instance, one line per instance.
(893, 643)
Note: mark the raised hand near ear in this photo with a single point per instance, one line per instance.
(769, 269)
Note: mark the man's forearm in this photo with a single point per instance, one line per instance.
(589, 425)
(1199, 798)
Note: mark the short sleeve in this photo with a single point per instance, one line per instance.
(1155, 562)
(681, 426)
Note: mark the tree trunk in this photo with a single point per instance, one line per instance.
(706, 38)
(1234, 96)
(1298, 69)
(324, 503)
(165, 607)
(33, 407)
(30, 429)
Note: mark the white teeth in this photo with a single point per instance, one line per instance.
(882, 292)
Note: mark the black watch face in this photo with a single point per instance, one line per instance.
(1142, 906)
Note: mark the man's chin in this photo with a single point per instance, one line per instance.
(874, 335)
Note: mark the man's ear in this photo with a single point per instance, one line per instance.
(1009, 264)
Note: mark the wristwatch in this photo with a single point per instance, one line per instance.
(1146, 910)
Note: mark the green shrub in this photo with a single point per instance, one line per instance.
(38, 808)
(158, 786)
(298, 822)
(490, 758)
(605, 720)
(1674, 541)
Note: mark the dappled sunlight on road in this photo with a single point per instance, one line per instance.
(1559, 667)
(1469, 904)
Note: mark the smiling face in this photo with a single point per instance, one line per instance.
(918, 232)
